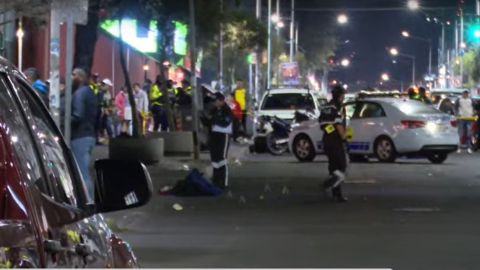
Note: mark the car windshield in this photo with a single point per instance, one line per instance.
(288, 101)
(415, 108)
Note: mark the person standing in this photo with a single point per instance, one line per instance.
(423, 96)
(104, 97)
(141, 100)
(464, 109)
(94, 82)
(241, 97)
(412, 94)
(220, 122)
(333, 124)
(238, 117)
(83, 135)
(34, 79)
(158, 110)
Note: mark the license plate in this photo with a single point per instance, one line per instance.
(442, 128)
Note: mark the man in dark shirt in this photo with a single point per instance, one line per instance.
(333, 124)
(84, 117)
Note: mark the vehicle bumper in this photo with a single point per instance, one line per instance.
(429, 149)
(408, 141)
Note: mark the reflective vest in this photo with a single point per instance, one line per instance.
(174, 91)
(94, 87)
(188, 90)
(240, 97)
(156, 95)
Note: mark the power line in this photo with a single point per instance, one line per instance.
(367, 9)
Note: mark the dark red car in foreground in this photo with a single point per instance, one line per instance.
(44, 218)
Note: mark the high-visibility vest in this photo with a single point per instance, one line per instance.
(188, 90)
(156, 95)
(240, 97)
(94, 87)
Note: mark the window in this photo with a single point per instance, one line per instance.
(23, 147)
(415, 108)
(322, 101)
(54, 149)
(370, 110)
(349, 110)
(288, 101)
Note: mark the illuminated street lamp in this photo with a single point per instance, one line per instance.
(275, 18)
(405, 34)
(463, 45)
(280, 24)
(20, 35)
(413, 4)
(342, 19)
(394, 51)
(345, 62)
(385, 77)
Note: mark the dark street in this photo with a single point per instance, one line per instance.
(408, 215)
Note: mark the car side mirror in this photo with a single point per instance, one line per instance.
(121, 185)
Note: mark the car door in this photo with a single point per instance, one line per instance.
(368, 122)
(83, 240)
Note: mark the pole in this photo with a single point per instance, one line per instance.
(292, 22)
(20, 44)
(193, 55)
(430, 60)
(478, 7)
(278, 14)
(269, 53)
(296, 38)
(259, 56)
(220, 50)
(68, 79)
(443, 44)
(461, 41)
(54, 96)
(413, 71)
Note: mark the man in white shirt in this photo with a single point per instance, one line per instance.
(141, 100)
(465, 108)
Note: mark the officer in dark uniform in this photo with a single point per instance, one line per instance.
(220, 121)
(333, 125)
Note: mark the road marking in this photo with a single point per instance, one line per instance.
(413, 209)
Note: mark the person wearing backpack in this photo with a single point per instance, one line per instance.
(464, 108)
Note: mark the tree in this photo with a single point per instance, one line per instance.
(469, 68)
(322, 45)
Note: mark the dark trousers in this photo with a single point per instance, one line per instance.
(159, 118)
(98, 123)
(107, 125)
(244, 119)
(219, 144)
(337, 159)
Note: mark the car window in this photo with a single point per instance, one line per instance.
(322, 101)
(22, 144)
(288, 101)
(55, 159)
(370, 110)
(349, 110)
(415, 108)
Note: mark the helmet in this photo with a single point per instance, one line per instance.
(337, 91)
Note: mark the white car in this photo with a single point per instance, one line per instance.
(386, 128)
(283, 103)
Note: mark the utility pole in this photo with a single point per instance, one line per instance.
(193, 56)
(54, 96)
(292, 29)
(278, 14)
(461, 47)
(220, 49)
(269, 53)
(259, 57)
(296, 37)
(68, 79)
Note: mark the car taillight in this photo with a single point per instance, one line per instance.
(453, 123)
(413, 124)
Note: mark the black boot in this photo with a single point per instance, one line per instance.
(337, 195)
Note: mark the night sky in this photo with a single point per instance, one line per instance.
(370, 33)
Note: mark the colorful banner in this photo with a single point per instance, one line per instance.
(290, 73)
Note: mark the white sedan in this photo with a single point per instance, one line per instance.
(386, 128)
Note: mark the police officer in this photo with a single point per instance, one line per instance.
(423, 96)
(220, 121)
(333, 125)
(160, 119)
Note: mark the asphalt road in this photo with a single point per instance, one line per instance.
(407, 215)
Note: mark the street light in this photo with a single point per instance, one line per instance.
(407, 35)
(280, 24)
(275, 18)
(20, 35)
(345, 62)
(394, 51)
(385, 77)
(342, 19)
(413, 4)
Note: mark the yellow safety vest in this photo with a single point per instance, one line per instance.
(94, 87)
(240, 97)
(173, 90)
(156, 95)
(188, 90)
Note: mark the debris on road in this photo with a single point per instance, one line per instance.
(177, 207)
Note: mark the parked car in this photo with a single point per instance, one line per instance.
(386, 128)
(45, 219)
(283, 103)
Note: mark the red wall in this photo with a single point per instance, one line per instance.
(106, 59)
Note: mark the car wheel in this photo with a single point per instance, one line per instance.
(385, 150)
(437, 158)
(304, 149)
